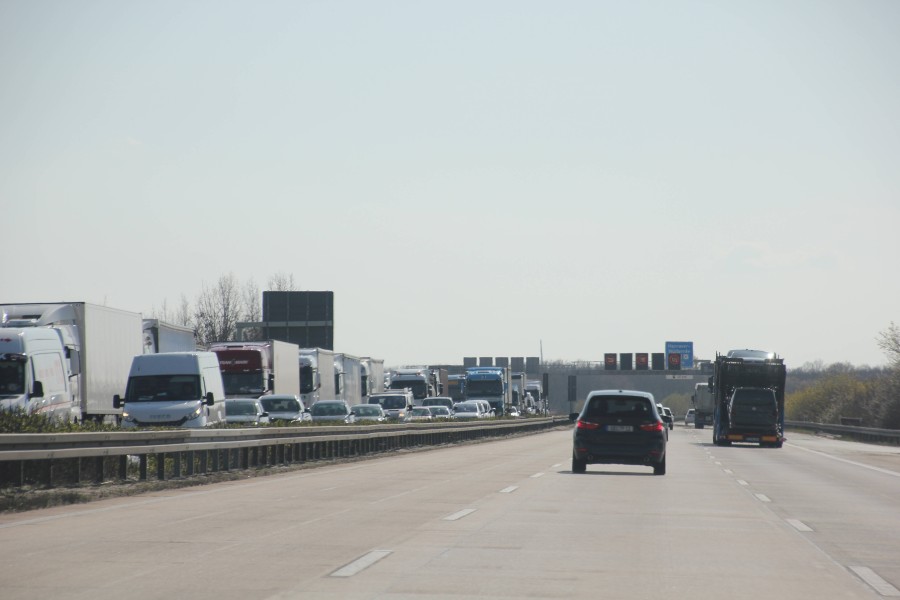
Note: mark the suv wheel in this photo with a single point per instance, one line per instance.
(578, 465)
(660, 467)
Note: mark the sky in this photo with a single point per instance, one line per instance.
(470, 178)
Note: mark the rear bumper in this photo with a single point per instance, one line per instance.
(621, 454)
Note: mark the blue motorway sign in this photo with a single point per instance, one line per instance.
(685, 349)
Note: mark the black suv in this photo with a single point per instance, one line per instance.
(619, 427)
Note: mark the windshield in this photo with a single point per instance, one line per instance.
(419, 389)
(242, 383)
(466, 408)
(329, 409)
(280, 404)
(484, 387)
(240, 408)
(306, 380)
(157, 388)
(12, 377)
(392, 402)
(754, 397)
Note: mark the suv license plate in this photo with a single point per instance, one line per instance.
(619, 428)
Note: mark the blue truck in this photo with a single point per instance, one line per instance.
(491, 384)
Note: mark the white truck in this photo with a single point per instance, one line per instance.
(348, 378)
(34, 374)
(98, 343)
(254, 369)
(173, 389)
(160, 336)
(316, 375)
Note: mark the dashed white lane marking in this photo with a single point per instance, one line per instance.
(509, 489)
(459, 515)
(878, 584)
(798, 525)
(762, 498)
(536, 475)
(556, 466)
(729, 471)
(361, 563)
(742, 482)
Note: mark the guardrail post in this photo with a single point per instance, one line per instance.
(142, 467)
(98, 472)
(189, 455)
(123, 467)
(161, 466)
(176, 465)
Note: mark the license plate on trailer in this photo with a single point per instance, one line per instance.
(619, 428)
(753, 439)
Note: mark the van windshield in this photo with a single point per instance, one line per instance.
(393, 402)
(157, 388)
(12, 377)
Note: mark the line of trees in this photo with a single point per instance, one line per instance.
(866, 395)
(219, 307)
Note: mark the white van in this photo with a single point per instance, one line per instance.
(34, 374)
(173, 389)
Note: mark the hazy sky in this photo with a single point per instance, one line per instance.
(469, 178)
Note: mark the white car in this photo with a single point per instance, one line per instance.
(247, 411)
(469, 410)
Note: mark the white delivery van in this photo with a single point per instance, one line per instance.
(173, 389)
(34, 375)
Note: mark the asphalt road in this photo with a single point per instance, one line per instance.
(506, 519)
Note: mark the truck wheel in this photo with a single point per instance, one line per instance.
(578, 465)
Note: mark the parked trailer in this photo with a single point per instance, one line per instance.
(160, 336)
(99, 343)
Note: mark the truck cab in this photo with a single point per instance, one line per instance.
(34, 377)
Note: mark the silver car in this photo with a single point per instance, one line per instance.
(246, 411)
(285, 407)
(369, 412)
(332, 411)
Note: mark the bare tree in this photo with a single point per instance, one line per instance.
(183, 314)
(252, 310)
(889, 341)
(218, 310)
(281, 282)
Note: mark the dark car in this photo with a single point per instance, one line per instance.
(619, 427)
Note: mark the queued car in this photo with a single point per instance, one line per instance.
(440, 412)
(513, 412)
(668, 417)
(246, 411)
(285, 407)
(332, 411)
(419, 413)
(470, 409)
(619, 427)
(446, 401)
(369, 412)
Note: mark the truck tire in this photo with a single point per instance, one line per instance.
(578, 465)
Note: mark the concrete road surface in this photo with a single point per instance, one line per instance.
(505, 519)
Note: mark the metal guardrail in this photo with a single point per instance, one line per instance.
(865, 434)
(70, 458)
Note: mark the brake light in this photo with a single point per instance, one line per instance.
(656, 426)
(586, 425)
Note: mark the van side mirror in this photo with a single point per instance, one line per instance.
(117, 401)
(37, 390)
(210, 399)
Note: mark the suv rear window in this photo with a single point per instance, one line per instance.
(603, 406)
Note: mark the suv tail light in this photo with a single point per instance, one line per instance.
(657, 426)
(586, 425)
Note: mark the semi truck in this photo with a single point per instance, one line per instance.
(253, 369)
(420, 380)
(371, 377)
(535, 387)
(160, 336)
(347, 378)
(97, 343)
(316, 375)
(748, 396)
(456, 386)
(704, 405)
(491, 384)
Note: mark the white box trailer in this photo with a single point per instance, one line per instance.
(160, 336)
(348, 378)
(100, 341)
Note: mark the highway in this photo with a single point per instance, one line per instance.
(819, 518)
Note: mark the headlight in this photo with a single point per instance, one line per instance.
(196, 414)
(127, 417)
